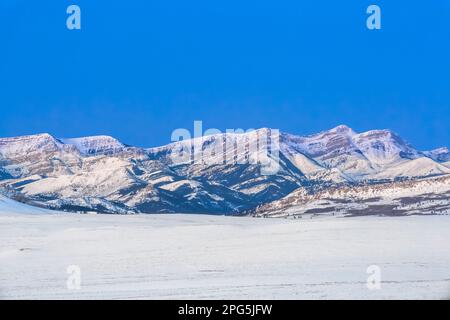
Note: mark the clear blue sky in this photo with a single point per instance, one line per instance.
(138, 69)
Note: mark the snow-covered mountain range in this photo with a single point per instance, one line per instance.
(102, 174)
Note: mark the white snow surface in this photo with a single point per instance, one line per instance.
(213, 257)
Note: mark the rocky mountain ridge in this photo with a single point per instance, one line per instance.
(220, 174)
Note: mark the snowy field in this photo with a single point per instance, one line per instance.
(209, 257)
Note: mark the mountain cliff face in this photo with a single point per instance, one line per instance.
(228, 173)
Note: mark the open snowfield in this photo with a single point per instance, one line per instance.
(210, 257)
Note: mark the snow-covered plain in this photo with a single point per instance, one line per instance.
(214, 257)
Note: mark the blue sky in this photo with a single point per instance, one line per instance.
(139, 69)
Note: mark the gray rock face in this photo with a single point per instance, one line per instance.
(219, 174)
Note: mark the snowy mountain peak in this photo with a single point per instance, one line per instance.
(95, 144)
(40, 136)
(342, 129)
(380, 133)
(27, 138)
(442, 150)
(439, 155)
(26, 144)
(384, 146)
